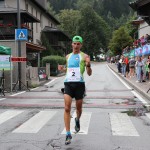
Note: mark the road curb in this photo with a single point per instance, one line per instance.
(134, 87)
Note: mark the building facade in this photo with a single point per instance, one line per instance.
(143, 11)
(37, 20)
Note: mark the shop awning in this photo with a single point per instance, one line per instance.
(58, 34)
(5, 50)
(34, 47)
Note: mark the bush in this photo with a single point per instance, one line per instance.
(54, 61)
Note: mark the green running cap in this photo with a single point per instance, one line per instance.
(77, 39)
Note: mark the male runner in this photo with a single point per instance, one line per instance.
(74, 84)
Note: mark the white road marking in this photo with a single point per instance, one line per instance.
(18, 93)
(34, 89)
(139, 97)
(119, 78)
(34, 124)
(121, 125)
(8, 115)
(2, 99)
(51, 81)
(148, 115)
(135, 93)
(84, 123)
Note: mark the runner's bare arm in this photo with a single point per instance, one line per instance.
(88, 65)
(62, 67)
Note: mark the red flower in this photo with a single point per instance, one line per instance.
(10, 24)
(1, 25)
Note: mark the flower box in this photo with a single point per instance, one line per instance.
(10, 24)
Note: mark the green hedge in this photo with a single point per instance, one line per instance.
(54, 61)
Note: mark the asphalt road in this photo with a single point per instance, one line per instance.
(113, 116)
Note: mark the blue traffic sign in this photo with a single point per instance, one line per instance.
(21, 34)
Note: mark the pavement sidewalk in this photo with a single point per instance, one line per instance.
(141, 87)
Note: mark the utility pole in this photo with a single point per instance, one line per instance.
(19, 43)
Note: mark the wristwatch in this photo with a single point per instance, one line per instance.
(88, 65)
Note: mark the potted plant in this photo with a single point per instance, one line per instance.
(9, 24)
(1, 25)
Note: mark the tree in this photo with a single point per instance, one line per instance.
(59, 5)
(45, 43)
(69, 21)
(120, 40)
(131, 29)
(93, 29)
(50, 9)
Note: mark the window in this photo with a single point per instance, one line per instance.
(32, 10)
(1, 21)
(41, 21)
(36, 23)
(26, 6)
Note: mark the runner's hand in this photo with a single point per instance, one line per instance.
(60, 67)
(87, 61)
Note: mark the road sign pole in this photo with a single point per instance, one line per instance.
(19, 44)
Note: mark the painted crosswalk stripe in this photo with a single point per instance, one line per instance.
(84, 123)
(8, 115)
(34, 124)
(121, 125)
(148, 115)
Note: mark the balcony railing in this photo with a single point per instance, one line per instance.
(9, 31)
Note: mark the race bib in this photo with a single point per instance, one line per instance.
(73, 74)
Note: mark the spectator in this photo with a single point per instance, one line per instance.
(135, 43)
(148, 66)
(139, 43)
(139, 66)
(127, 66)
(112, 60)
(144, 60)
(123, 65)
(119, 65)
(142, 41)
(132, 67)
(147, 38)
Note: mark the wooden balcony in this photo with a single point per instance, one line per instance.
(8, 32)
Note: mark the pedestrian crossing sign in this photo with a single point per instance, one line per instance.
(21, 34)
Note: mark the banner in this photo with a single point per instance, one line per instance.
(131, 53)
(5, 62)
(145, 50)
(138, 51)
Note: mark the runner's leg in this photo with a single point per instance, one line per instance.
(79, 108)
(68, 101)
(79, 112)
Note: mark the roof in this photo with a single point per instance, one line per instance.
(139, 3)
(4, 8)
(34, 47)
(46, 12)
(142, 8)
(62, 36)
(9, 10)
(137, 22)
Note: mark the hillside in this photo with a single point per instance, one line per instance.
(102, 7)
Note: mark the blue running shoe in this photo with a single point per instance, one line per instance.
(77, 125)
(68, 139)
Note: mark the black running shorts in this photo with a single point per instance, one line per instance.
(75, 89)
